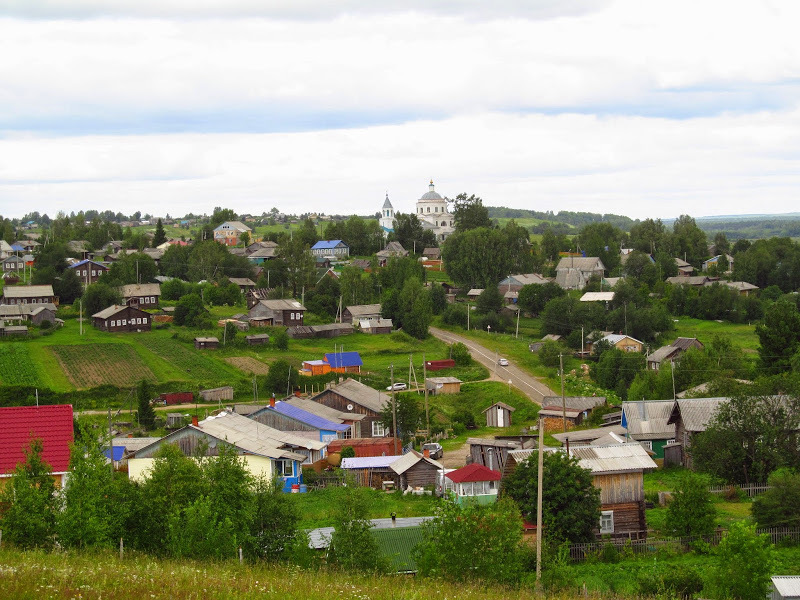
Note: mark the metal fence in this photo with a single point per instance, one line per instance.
(581, 552)
(750, 490)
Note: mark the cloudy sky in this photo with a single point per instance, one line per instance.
(648, 109)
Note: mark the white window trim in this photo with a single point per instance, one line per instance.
(378, 430)
(607, 516)
(648, 444)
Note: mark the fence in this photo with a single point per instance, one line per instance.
(580, 552)
(750, 490)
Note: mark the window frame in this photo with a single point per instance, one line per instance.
(606, 521)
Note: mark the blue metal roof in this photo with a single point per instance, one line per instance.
(327, 244)
(84, 261)
(304, 416)
(343, 359)
(17, 248)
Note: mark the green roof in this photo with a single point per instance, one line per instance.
(398, 545)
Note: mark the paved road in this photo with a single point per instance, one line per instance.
(527, 384)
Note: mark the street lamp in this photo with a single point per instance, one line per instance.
(489, 329)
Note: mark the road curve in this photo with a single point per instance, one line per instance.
(527, 384)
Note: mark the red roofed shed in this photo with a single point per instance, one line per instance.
(52, 424)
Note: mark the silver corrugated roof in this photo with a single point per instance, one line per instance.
(320, 537)
(647, 419)
(240, 430)
(616, 458)
(696, 413)
(787, 585)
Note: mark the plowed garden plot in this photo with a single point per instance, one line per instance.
(248, 364)
(90, 365)
(197, 366)
(16, 367)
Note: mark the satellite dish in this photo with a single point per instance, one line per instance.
(349, 407)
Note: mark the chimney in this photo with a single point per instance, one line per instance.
(194, 420)
(272, 401)
(426, 453)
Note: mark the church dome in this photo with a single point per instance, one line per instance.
(387, 204)
(431, 195)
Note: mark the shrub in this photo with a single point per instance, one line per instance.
(348, 452)
(460, 353)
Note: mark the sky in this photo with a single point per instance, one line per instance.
(632, 107)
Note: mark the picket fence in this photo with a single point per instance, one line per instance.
(581, 552)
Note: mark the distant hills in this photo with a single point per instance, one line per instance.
(753, 226)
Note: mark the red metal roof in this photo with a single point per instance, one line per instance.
(18, 424)
(473, 472)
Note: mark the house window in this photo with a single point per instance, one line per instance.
(648, 444)
(607, 521)
(284, 468)
(152, 299)
(94, 273)
(124, 321)
(378, 430)
(671, 442)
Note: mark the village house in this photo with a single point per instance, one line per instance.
(28, 294)
(672, 352)
(88, 271)
(264, 451)
(473, 483)
(493, 452)
(443, 385)
(689, 416)
(690, 280)
(293, 419)
(376, 326)
(331, 248)
(351, 396)
(618, 472)
(245, 284)
(392, 249)
(514, 283)
(13, 264)
(344, 362)
(620, 341)
(206, 343)
(351, 419)
(50, 423)
(230, 232)
(574, 272)
(120, 318)
(684, 268)
(268, 313)
(351, 314)
(141, 295)
(648, 422)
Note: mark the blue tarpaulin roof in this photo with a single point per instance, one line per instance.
(343, 359)
(119, 451)
(309, 418)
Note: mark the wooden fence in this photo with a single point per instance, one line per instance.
(580, 552)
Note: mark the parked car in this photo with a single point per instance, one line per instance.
(399, 385)
(503, 362)
(435, 449)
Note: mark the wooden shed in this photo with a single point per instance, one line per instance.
(257, 339)
(373, 471)
(443, 385)
(214, 394)
(206, 343)
(315, 367)
(499, 415)
(416, 470)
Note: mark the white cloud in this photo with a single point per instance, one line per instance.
(635, 166)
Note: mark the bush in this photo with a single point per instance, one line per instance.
(455, 314)
(347, 452)
(45, 324)
(460, 353)
(465, 418)
(549, 354)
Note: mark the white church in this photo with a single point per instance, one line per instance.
(432, 212)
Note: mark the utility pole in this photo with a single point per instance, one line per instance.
(539, 477)
(80, 319)
(467, 315)
(427, 413)
(516, 334)
(110, 442)
(394, 410)
(563, 398)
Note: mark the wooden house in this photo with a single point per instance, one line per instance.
(623, 342)
(443, 385)
(52, 424)
(498, 415)
(355, 313)
(141, 295)
(245, 283)
(352, 420)
(376, 326)
(416, 471)
(13, 264)
(514, 283)
(648, 422)
(28, 294)
(373, 471)
(42, 313)
(331, 248)
(493, 452)
(392, 250)
(574, 272)
(206, 343)
(672, 352)
(293, 419)
(15, 330)
(117, 318)
(88, 271)
(618, 472)
(689, 416)
(351, 396)
(312, 368)
(578, 409)
(267, 313)
(230, 232)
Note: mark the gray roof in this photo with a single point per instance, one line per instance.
(582, 263)
(372, 323)
(242, 281)
(524, 279)
(393, 249)
(788, 586)
(28, 291)
(360, 310)
(443, 380)
(616, 458)
(648, 419)
(247, 432)
(282, 304)
(362, 394)
(589, 435)
(111, 311)
(320, 537)
(238, 225)
(410, 459)
(579, 403)
(684, 343)
(697, 280)
(597, 297)
(501, 405)
(386, 203)
(696, 413)
(663, 353)
(326, 412)
(133, 290)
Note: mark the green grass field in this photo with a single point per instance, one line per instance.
(742, 335)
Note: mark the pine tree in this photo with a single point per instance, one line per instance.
(147, 416)
(160, 236)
